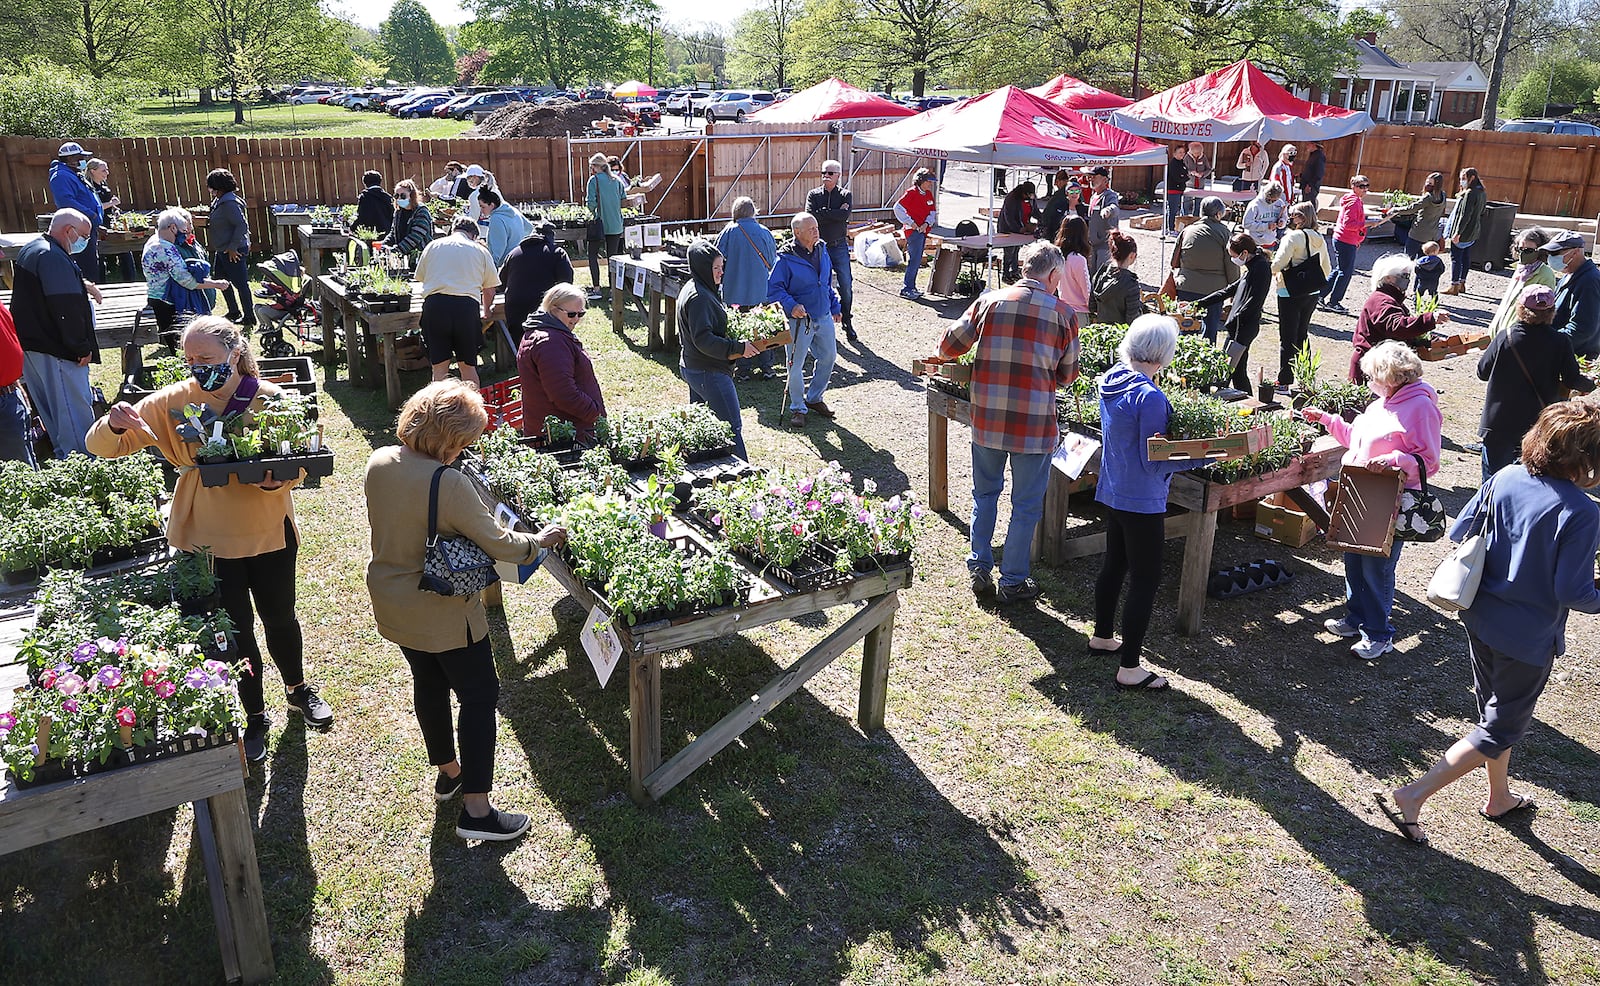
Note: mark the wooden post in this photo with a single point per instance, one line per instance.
(619, 296)
(655, 340)
(938, 461)
(330, 338)
(1052, 524)
(391, 369)
(875, 675)
(1196, 570)
(644, 722)
(241, 884)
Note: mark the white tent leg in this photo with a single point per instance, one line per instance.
(988, 252)
(1361, 149)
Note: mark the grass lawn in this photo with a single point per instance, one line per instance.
(159, 118)
(1018, 821)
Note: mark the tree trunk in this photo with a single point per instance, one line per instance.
(919, 79)
(207, 96)
(1491, 99)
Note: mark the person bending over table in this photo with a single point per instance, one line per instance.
(1384, 316)
(1243, 323)
(707, 353)
(533, 267)
(457, 275)
(1201, 263)
(445, 639)
(556, 375)
(249, 529)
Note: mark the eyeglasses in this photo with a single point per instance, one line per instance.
(830, 174)
(571, 314)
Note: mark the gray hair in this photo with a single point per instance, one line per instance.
(832, 165)
(802, 219)
(598, 159)
(744, 207)
(1151, 339)
(1538, 235)
(1393, 268)
(171, 217)
(68, 217)
(1392, 362)
(1039, 258)
(95, 164)
(1211, 207)
(466, 227)
(1268, 189)
(562, 294)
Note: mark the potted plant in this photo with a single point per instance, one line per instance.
(194, 582)
(323, 221)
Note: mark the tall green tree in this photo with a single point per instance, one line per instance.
(564, 42)
(246, 43)
(102, 38)
(414, 46)
(762, 48)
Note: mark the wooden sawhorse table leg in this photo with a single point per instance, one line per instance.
(1196, 570)
(938, 461)
(330, 339)
(655, 340)
(227, 850)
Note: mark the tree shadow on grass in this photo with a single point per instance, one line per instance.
(800, 841)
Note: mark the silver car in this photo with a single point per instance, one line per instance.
(736, 104)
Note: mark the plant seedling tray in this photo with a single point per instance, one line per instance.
(288, 372)
(1363, 514)
(1455, 345)
(709, 454)
(283, 468)
(52, 771)
(325, 231)
(1222, 447)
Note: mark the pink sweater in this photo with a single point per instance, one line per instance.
(1074, 289)
(1351, 226)
(1391, 429)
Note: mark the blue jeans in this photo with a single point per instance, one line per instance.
(1029, 476)
(1174, 209)
(1458, 262)
(1369, 592)
(839, 257)
(813, 336)
(915, 241)
(59, 389)
(717, 391)
(14, 444)
(1344, 268)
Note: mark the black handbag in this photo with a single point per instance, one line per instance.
(1305, 277)
(452, 565)
(1422, 515)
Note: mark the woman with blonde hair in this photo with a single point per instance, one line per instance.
(445, 639)
(1302, 253)
(249, 529)
(413, 224)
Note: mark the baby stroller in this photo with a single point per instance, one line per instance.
(286, 303)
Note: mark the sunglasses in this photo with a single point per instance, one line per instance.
(830, 174)
(571, 314)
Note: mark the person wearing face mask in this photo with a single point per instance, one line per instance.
(1577, 293)
(1530, 270)
(1283, 171)
(1243, 323)
(504, 226)
(445, 187)
(413, 226)
(249, 528)
(1540, 369)
(1266, 216)
(1384, 316)
(475, 180)
(70, 188)
(55, 325)
(230, 243)
(172, 286)
(1426, 213)
(708, 354)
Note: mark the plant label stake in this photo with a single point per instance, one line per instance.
(603, 646)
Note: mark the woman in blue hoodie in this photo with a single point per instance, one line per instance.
(1132, 409)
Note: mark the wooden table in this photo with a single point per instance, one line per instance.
(281, 223)
(312, 246)
(368, 333)
(126, 308)
(660, 290)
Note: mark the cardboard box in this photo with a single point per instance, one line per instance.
(1283, 524)
(1235, 446)
(1150, 222)
(1362, 518)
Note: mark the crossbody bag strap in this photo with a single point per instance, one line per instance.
(243, 395)
(1527, 376)
(753, 246)
(1422, 472)
(433, 505)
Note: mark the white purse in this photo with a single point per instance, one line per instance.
(1455, 583)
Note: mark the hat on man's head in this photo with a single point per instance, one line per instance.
(1537, 297)
(1102, 171)
(72, 149)
(474, 171)
(1564, 241)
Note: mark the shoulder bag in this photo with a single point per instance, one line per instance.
(1422, 515)
(452, 565)
(1455, 583)
(1306, 277)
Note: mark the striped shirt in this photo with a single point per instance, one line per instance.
(1027, 341)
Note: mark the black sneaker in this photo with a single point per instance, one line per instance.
(497, 826)
(850, 332)
(255, 738)
(308, 703)
(446, 787)
(982, 585)
(1020, 593)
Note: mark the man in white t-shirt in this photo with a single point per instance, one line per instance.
(456, 273)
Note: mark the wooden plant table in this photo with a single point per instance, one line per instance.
(125, 309)
(313, 245)
(660, 290)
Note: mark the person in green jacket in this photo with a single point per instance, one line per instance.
(1425, 214)
(1466, 222)
(604, 199)
(1531, 269)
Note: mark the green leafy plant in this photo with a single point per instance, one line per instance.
(1396, 198)
(366, 234)
(167, 370)
(246, 445)
(1307, 367)
(68, 509)
(1198, 364)
(1097, 347)
(570, 212)
(214, 450)
(755, 324)
(559, 432)
(322, 216)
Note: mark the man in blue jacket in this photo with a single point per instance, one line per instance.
(1577, 293)
(55, 326)
(802, 282)
(70, 189)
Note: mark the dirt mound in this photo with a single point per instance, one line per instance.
(557, 120)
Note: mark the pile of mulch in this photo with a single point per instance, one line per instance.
(557, 120)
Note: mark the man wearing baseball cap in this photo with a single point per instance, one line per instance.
(70, 189)
(1103, 205)
(1577, 293)
(1541, 366)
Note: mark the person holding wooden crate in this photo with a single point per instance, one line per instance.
(1399, 431)
(1384, 316)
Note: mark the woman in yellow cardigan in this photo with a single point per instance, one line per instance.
(249, 529)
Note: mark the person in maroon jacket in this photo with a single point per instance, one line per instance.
(13, 415)
(557, 378)
(1384, 316)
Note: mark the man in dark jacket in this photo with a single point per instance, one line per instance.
(1316, 167)
(1577, 293)
(374, 207)
(1016, 216)
(831, 205)
(70, 188)
(802, 283)
(707, 355)
(533, 267)
(55, 325)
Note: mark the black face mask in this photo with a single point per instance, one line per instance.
(1530, 257)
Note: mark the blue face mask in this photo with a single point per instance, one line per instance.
(403, 201)
(212, 377)
(78, 244)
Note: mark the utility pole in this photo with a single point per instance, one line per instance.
(650, 68)
(1138, 43)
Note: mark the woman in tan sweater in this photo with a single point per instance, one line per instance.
(249, 529)
(445, 639)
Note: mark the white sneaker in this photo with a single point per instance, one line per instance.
(1341, 628)
(594, 294)
(1371, 650)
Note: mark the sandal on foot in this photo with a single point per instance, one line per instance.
(1102, 651)
(1144, 684)
(1410, 831)
(1523, 804)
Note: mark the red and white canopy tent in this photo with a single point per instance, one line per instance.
(1081, 97)
(1239, 102)
(830, 99)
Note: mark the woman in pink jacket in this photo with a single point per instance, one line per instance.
(1399, 431)
(1349, 232)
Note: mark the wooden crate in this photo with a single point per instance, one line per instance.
(1456, 345)
(1235, 446)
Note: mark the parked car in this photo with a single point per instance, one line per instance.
(698, 103)
(305, 96)
(594, 93)
(642, 108)
(736, 104)
(680, 102)
(565, 95)
(422, 106)
(1573, 127)
(396, 106)
(447, 107)
(926, 103)
(485, 102)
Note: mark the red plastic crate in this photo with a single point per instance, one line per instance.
(503, 401)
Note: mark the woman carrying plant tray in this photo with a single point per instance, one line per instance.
(708, 354)
(249, 529)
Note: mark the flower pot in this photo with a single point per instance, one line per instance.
(202, 605)
(659, 529)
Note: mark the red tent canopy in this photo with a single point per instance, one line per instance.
(1080, 96)
(1239, 102)
(1010, 127)
(830, 99)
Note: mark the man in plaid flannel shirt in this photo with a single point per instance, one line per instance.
(1027, 341)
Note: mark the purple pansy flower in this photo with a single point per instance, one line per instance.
(86, 651)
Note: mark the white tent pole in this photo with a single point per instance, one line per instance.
(1360, 150)
(988, 253)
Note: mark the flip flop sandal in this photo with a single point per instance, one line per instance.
(1523, 804)
(1410, 831)
(1143, 684)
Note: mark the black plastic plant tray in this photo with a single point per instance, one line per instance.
(52, 771)
(706, 455)
(283, 468)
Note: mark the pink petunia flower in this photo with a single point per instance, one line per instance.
(8, 720)
(165, 689)
(70, 684)
(47, 678)
(837, 498)
(150, 677)
(812, 506)
(125, 716)
(69, 705)
(799, 529)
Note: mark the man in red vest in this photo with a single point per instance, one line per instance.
(917, 211)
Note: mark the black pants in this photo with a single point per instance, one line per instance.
(1133, 548)
(1294, 328)
(1244, 331)
(269, 579)
(612, 245)
(469, 672)
(242, 308)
